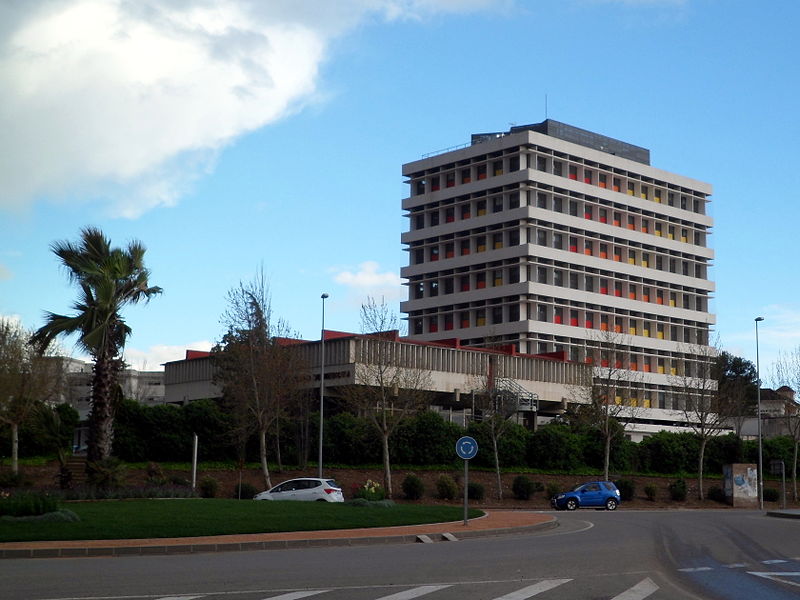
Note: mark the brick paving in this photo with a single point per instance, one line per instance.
(495, 522)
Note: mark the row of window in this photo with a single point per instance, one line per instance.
(560, 313)
(550, 235)
(576, 169)
(656, 225)
(648, 257)
(482, 276)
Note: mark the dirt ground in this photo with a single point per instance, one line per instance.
(350, 479)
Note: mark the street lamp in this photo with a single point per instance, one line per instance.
(758, 393)
(321, 382)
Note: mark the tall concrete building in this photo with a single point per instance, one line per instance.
(550, 237)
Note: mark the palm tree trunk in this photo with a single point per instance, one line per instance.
(262, 452)
(101, 418)
(15, 448)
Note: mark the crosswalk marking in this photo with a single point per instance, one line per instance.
(414, 592)
(296, 595)
(641, 590)
(532, 590)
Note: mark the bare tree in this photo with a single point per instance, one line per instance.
(696, 391)
(259, 372)
(787, 372)
(498, 400)
(601, 402)
(388, 389)
(27, 378)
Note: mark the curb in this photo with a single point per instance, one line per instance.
(189, 548)
(784, 514)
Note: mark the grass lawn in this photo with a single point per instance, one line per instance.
(130, 519)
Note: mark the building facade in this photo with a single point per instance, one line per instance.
(453, 374)
(146, 387)
(553, 239)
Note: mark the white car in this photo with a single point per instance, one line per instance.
(304, 488)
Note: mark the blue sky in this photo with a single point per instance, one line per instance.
(227, 135)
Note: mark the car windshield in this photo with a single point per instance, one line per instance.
(577, 487)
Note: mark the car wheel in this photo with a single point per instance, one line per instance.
(611, 504)
(572, 504)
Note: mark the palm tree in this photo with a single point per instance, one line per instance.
(108, 278)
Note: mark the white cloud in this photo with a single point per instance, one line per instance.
(131, 101)
(367, 280)
(5, 273)
(153, 358)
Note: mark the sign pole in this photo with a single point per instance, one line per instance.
(466, 448)
(466, 495)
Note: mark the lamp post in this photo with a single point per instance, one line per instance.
(321, 383)
(758, 395)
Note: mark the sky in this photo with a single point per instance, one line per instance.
(231, 136)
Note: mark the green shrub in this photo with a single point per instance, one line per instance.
(23, 504)
(106, 473)
(446, 488)
(12, 480)
(244, 491)
(59, 516)
(371, 490)
(209, 487)
(552, 489)
(627, 489)
(180, 481)
(358, 502)
(475, 491)
(522, 487)
(677, 490)
(771, 495)
(413, 488)
(717, 494)
(155, 475)
(650, 491)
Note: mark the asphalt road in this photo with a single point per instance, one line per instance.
(622, 555)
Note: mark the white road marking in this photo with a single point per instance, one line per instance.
(532, 590)
(695, 569)
(641, 590)
(774, 576)
(297, 595)
(773, 562)
(736, 566)
(414, 593)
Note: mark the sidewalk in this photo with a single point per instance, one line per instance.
(495, 522)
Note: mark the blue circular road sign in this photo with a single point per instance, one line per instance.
(466, 447)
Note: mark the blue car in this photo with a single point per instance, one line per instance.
(594, 494)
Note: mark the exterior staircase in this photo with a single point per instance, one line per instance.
(76, 465)
(525, 399)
